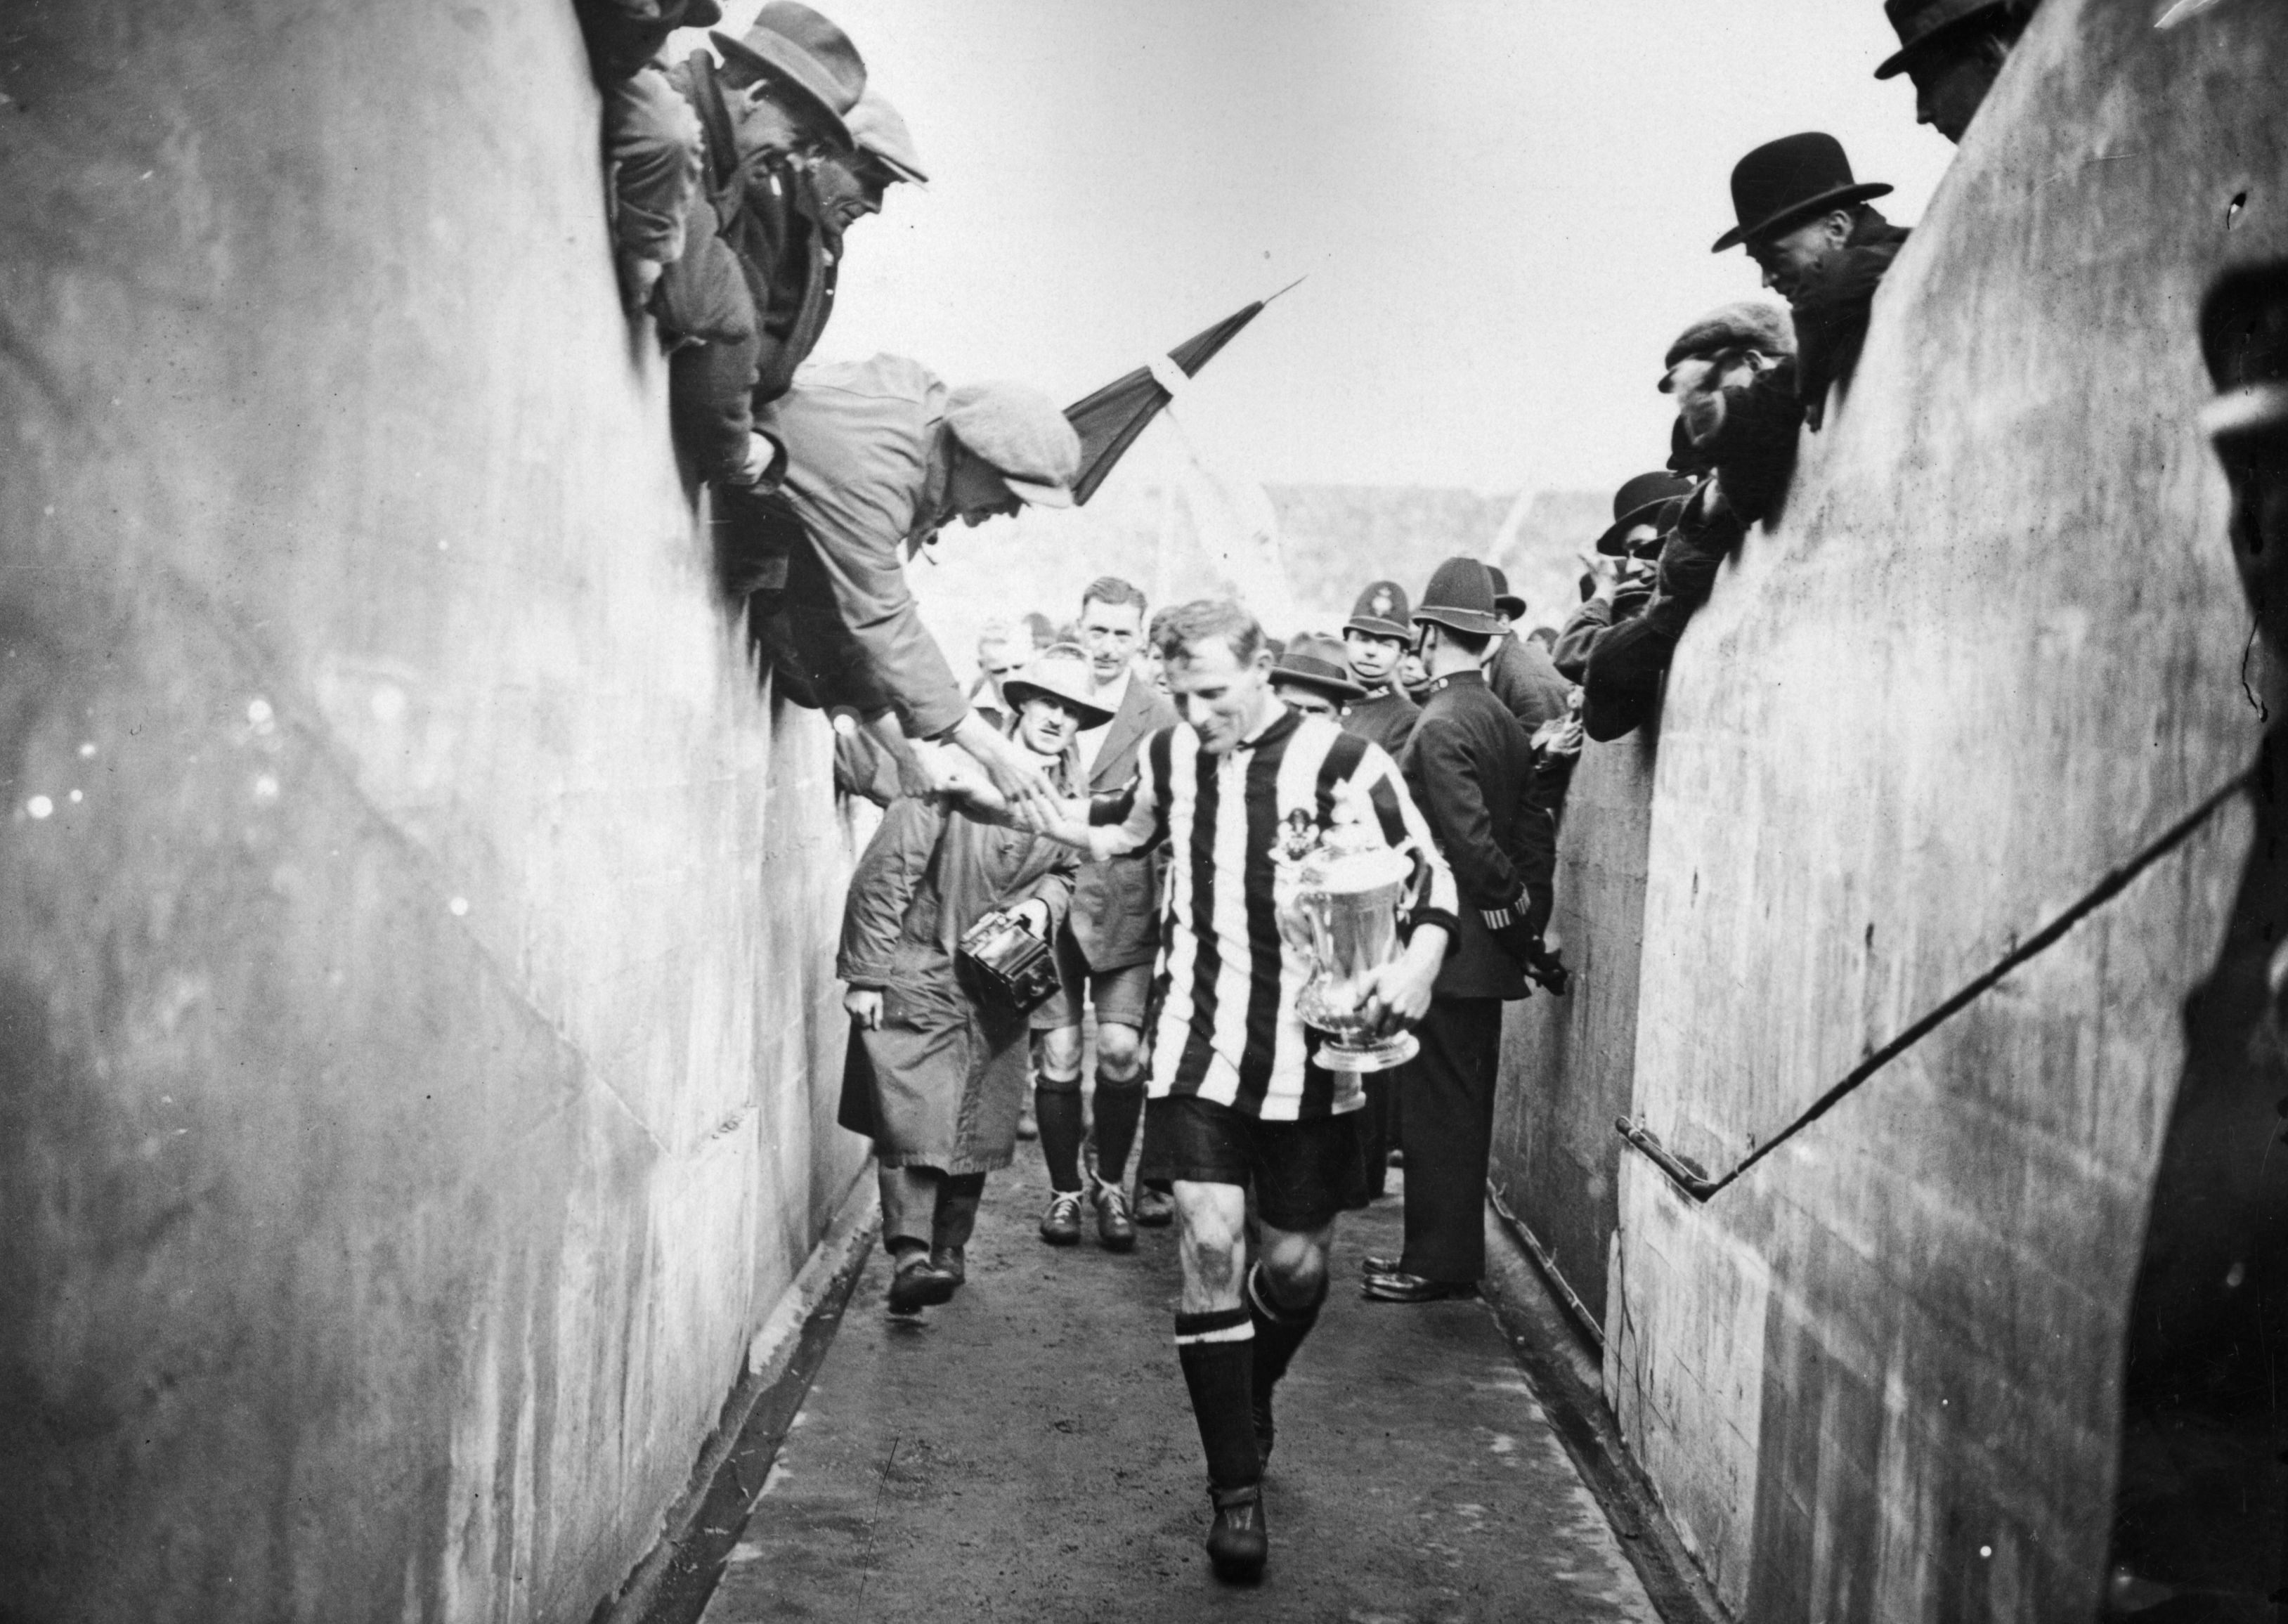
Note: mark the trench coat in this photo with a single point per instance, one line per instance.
(940, 1082)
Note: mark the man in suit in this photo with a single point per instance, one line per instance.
(1520, 672)
(1105, 950)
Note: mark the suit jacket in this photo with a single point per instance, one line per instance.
(1525, 679)
(1116, 912)
(1470, 766)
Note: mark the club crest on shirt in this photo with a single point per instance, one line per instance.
(1298, 839)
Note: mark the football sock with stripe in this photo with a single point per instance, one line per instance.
(1217, 1352)
(1279, 1330)
(1119, 1107)
(1058, 1110)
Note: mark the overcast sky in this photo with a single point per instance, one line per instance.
(1503, 208)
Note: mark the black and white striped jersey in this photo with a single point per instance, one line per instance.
(1228, 978)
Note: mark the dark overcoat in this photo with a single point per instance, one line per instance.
(1470, 766)
(1386, 715)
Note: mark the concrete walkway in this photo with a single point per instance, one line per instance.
(1027, 1453)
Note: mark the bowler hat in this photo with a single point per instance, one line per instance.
(1636, 502)
(1505, 601)
(1461, 595)
(1060, 673)
(1917, 20)
(1021, 434)
(1380, 611)
(807, 54)
(881, 134)
(1315, 661)
(1785, 182)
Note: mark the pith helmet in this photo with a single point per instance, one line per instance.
(1060, 673)
(1461, 595)
(1783, 183)
(1636, 502)
(1380, 611)
(1917, 20)
(806, 53)
(1315, 661)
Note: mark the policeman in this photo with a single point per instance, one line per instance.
(1375, 641)
(1470, 766)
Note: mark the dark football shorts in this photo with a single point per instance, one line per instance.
(1304, 1172)
(1119, 995)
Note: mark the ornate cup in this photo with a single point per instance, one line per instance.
(1343, 914)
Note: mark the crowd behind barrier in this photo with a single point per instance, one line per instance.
(1073, 792)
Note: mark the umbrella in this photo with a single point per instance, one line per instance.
(1109, 421)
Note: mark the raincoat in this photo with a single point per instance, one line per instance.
(940, 1083)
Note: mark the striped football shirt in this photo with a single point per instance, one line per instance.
(1228, 978)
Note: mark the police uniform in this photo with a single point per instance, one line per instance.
(1469, 766)
(1382, 713)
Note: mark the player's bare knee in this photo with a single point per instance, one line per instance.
(1061, 1055)
(1119, 1049)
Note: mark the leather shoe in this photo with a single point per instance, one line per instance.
(1238, 1543)
(1415, 1288)
(952, 1260)
(1060, 1224)
(1115, 1231)
(917, 1286)
(1155, 1209)
(1373, 1265)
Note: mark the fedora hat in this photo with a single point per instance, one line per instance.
(1917, 21)
(1785, 182)
(807, 54)
(1380, 611)
(1505, 601)
(1059, 672)
(1461, 595)
(1637, 502)
(880, 133)
(1314, 660)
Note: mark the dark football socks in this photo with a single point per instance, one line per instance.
(1119, 1107)
(1217, 1351)
(1279, 1330)
(1058, 1113)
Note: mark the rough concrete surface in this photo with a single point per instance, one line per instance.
(415, 923)
(1028, 1453)
(1992, 648)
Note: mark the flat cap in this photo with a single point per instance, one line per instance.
(1746, 324)
(881, 134)
(1023, 435)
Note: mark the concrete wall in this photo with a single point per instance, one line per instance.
(1569, 1064)
(410, 912)
(1991, 650)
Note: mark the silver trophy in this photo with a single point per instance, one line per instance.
(1342, 914)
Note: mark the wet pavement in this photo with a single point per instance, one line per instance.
(1027, 1453)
